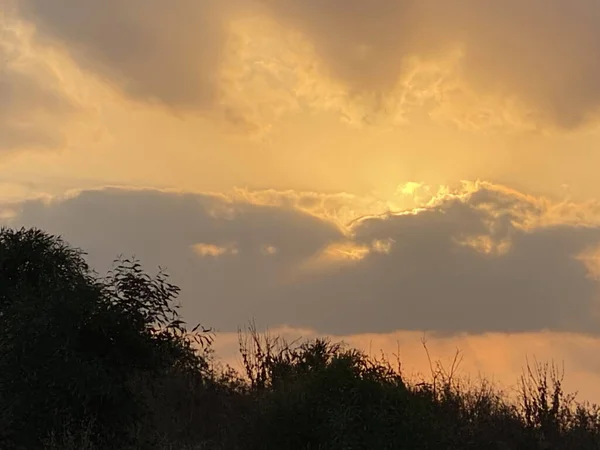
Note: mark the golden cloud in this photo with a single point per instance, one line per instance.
(268, 250)
(45, 101)
(524, 65)
(214, 250)
(535, 55)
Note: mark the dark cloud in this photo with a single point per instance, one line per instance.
(428, 279)
(32, 103)
(161, 229)
(544, 52)
(153, 50)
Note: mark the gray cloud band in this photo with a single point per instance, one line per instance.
(428, 279)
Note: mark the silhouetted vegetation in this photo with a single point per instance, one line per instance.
(90, 362)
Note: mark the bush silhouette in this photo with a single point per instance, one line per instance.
(71, 342)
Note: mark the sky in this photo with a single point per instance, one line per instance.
(375, 171)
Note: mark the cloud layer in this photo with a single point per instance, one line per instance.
(485, 260)
(34, 106)
(151, 50)
(545, 53)
(539, 57)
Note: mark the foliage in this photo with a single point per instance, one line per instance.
(72, 342)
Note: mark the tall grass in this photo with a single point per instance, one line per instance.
(324, 395)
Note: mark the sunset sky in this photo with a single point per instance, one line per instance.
(369, 170)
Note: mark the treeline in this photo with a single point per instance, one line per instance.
(94, 363)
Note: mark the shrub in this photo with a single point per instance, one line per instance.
(70, 342)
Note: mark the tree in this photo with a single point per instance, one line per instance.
(71, 342)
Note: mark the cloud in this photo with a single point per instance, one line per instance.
(268, 250)
(480, 259)
(431, 280)
(214, 250)
(340, 207)
(35, 109)
(542, 53)
(334, 255)
(150, 50)
(475, 62)
(162, 228)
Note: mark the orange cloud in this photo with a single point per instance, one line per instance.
(524, 65)
(269, 250)
(214, 250)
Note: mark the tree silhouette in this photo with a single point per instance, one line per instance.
(71, 342)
